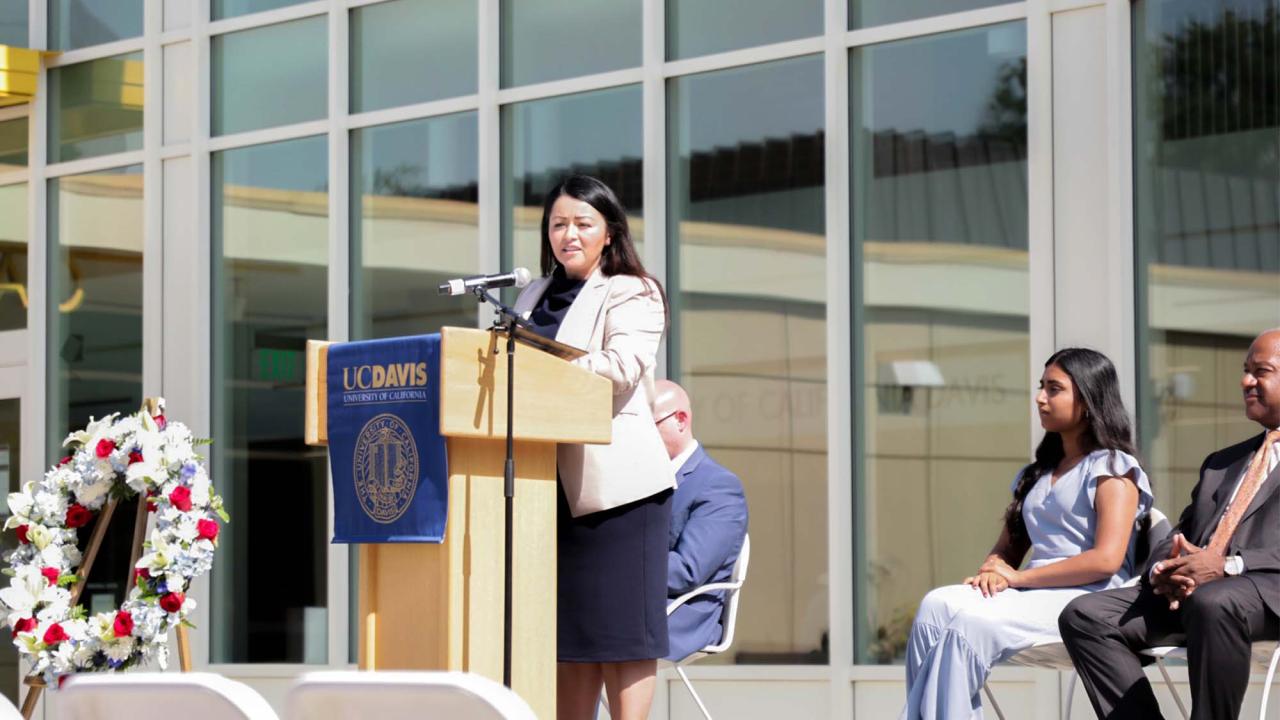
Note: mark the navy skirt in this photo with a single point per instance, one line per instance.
(612, 591)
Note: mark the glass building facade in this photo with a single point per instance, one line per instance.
(874, 219)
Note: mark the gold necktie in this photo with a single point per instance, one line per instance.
(1248, 488)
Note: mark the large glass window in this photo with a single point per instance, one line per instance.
(95, 108)
(702, 27)
(80, 23)
(13, 144)
(94, 315)
(544, 141)
(231, 8)
(10, 481)
(545, 40)
(268, 76)
(1207, 192)
(270, 258)
(14, 24)
(941, 298)
(95, 298)
(866, 13)
(14, 288)
(409, 51)
(747, 282)
(413, 224)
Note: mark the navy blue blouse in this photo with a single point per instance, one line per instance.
(554, 303)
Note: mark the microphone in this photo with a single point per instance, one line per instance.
(460, 286)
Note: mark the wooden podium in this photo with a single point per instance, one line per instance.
(440, 606)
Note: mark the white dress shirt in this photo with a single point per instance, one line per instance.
(678, 461)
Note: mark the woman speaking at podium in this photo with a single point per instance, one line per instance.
(615, 500)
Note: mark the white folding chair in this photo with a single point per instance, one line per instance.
(158, 696)
(396, 695)
(1051, 654)
(8, 711)
(1265, 655)
(729, 617)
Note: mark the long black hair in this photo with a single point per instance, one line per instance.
(619, 257)
(1107, 427)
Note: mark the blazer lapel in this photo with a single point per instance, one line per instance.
(1226, 483)
(578, 323)
(529, 298)
(692, 463)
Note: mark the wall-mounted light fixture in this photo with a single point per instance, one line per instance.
(897, 380)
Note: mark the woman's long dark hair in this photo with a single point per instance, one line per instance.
(1107, 427)
(619, 257)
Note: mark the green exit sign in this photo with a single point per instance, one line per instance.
(278, 366)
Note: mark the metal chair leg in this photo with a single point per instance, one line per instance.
(694, 693)
(1266, 688)
(1071, 694)
(991, 698)
(1168, 681)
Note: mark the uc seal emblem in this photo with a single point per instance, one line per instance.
(385, 468)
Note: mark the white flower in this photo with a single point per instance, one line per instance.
(27, 590)
(187, 528)
(94, 496)
(52, 506)
(39, 535)
(20, 504)
(53, 556)
(119, 649)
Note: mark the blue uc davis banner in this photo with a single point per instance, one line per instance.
(390, 470)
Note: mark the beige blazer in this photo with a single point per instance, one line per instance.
(619, 321)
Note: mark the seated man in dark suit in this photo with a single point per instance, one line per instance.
(1213, 584)
(708, 524)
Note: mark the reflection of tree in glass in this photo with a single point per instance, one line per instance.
(1006, 116)
(402, 181)
(1220, 75)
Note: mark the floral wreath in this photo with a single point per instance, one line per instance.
(115, 457)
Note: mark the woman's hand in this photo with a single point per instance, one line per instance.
(998, 566)
(989, 583)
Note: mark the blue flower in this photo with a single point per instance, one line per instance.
(189, 470)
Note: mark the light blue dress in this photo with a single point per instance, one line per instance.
(958, 634)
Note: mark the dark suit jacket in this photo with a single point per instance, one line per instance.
(1257, 537)
(708, 523)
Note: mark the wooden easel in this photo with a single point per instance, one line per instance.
(35, 682)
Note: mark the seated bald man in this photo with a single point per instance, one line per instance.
(708, 524)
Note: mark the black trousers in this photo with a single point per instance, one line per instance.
(1104, 631)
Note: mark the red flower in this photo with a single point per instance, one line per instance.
(51, 574)
(151, 506)
(123, 626)
(64, 461)
(181, 498)
(143, 573)
(160, 421)
(105, 447)
(24, 625)
(207, 529)
(135, 457)
(172, 602)
(22, 534)
(54, 635)
(78, 515)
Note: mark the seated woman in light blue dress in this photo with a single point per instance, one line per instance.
(1074, 507)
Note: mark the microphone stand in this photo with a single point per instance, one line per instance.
(508, 321)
